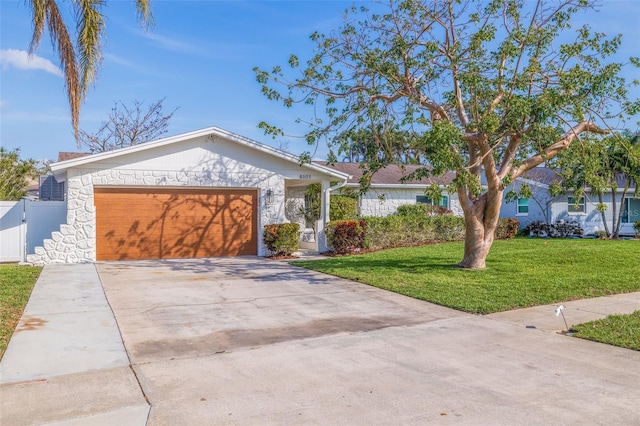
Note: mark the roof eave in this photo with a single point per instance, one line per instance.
(398, 185)
(59, 168)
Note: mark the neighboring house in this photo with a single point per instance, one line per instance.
(33, 189)
(542, 206)
(199, 194)
(536, 208)
(388, 190)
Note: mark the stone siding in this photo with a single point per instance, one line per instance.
(385, 202)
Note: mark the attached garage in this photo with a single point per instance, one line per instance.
(158, 223)
(205, 193)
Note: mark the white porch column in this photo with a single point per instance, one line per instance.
(325, 197)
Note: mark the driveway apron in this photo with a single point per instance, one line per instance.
(252, 341)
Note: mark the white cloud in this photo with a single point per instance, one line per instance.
(21, 59)
(120, 61)
(168, 43)
(55, 116)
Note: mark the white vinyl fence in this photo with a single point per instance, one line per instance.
(25, 224)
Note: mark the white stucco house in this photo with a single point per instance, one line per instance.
(544, 207)
(199, 194)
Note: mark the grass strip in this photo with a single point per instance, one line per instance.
(16, 283)
(616, 330)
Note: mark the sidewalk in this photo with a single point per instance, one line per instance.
(575, 312)
(66, 362)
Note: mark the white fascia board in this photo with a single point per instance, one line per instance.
(397, 185)
(60, 168)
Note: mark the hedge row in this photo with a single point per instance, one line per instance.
(378, 233)
(399, 231)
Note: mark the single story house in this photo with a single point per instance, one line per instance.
(544, 207)
(199, 194)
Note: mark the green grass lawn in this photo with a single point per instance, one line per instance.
(617, 330)
(520, 273)
(16, 283)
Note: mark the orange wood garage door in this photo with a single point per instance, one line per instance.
(156, 223)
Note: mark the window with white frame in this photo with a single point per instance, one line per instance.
(443, 202)
(576, 208)
(631, 210)
(523, 207)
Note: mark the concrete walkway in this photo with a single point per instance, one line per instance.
(66, 364)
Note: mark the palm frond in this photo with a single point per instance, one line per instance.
(38, 9)
(63, 44)
(79, 67)
(143, 9)
(91, 27)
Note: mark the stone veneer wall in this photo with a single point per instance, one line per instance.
(76, 240)
(384, 202)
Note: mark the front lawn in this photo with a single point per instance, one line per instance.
(16, 283)
(520, 273)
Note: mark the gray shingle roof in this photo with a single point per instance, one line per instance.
(390, 175)
(542, 175)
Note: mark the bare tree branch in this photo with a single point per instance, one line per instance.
(127, 126)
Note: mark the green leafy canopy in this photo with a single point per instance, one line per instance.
(466, 83)
(487, 90)
(15, 174)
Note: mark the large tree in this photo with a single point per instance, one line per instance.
(127, 126)
(483, 88)
(80, 60)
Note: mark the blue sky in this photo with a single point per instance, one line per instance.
(199, 55)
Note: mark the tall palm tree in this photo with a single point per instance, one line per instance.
(79, 61)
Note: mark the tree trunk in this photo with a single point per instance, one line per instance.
(603, 215)
(615, 229)
(481, 221)
(618, 221)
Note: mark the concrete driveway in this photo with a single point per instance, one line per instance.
(252, 341)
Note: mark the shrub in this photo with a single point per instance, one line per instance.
(402, 231)
(343, 208)
(560, 229)
(602, 235)
(346, 236)
(422, 209)
(282, 239)
(636, 227)
(507, 228)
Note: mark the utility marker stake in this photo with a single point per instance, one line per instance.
(559, 310)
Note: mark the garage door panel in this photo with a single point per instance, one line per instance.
(142, 223)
